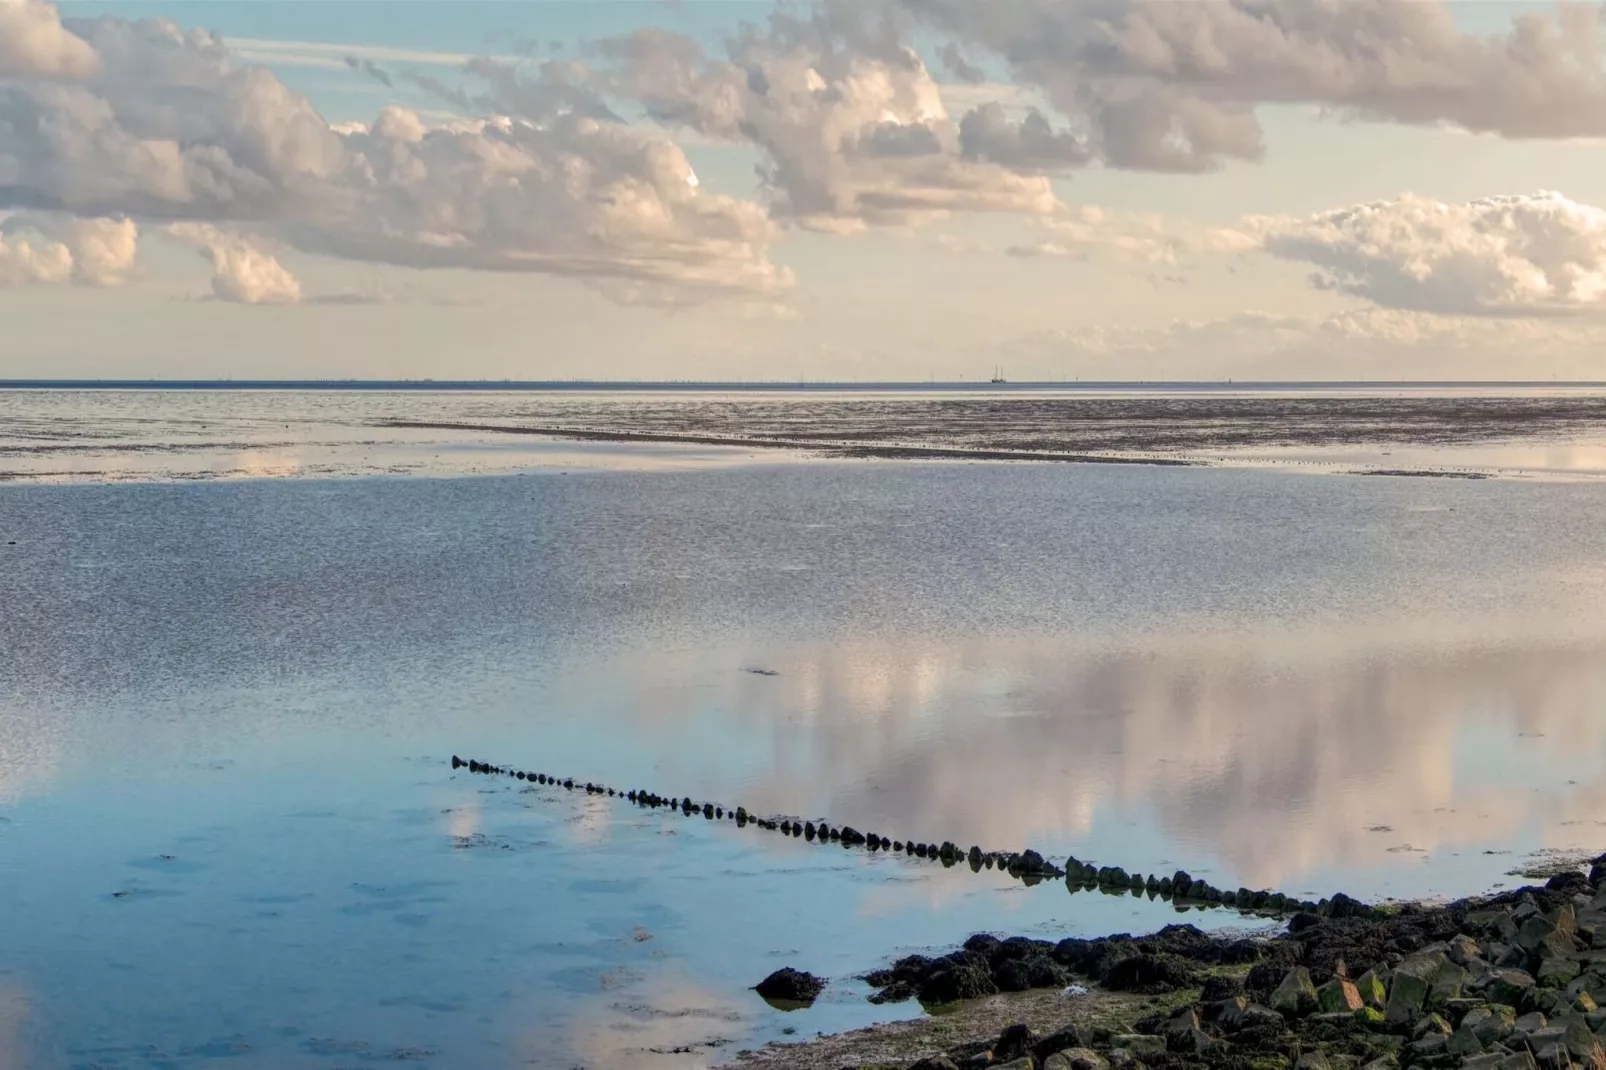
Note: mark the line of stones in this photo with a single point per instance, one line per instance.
(1027, 866)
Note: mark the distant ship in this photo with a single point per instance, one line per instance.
(998, 376)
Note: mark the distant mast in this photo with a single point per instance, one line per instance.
(998, 375)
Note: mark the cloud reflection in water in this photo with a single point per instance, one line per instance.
(1272, 755)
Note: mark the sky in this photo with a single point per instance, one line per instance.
(842, 190)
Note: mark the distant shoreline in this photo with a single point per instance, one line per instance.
(781, 386)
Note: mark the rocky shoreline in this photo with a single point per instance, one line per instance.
(1504, 982)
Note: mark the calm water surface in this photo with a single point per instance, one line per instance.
(229, 835)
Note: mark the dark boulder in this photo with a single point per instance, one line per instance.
(1044, 972)
(1058, 1041)
(935, 1062)
(956, 982)
(896, 992)
(1217, 989)
(1070, 951)
(787, 985)
(1014, 1042)
(1242, 952)
(1013, 976)
(983, 944)
(1265, 977)
(1571, 881)
(912, 967)
(963, 958)
(1101, 956)
(1342, 906)
(1149, 975)
(1016, 947)
(1185, 940)
(1030, 863)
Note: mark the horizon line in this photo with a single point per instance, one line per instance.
(426, 384)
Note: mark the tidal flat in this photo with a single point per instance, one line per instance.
(232, 677)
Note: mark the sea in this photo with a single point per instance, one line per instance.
(244, 630)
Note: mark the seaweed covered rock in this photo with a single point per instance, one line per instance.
(1149, 975)
(1296, 994)
(1409, 987)
(955, 981)
(1015, 1041)
(1076, 1059)
(1060, 1040)
(787, 985)
(1219, 988)
(1338, 995)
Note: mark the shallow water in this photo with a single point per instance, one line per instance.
(228, 828)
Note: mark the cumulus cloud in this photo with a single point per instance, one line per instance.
(852, 128)
(242, 271)
(165, 125)
(104, 251)
(849, 122)
(23, 262)
(33, 43)
(1511, 255)
(1534, 254)
(1174, 86)
(147, 123)
(50, 248)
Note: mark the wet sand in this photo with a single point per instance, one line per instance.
(838, 449)
(1066, 424)
(1156, 430)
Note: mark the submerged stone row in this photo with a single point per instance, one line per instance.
(1027, 866)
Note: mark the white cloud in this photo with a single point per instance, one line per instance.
(48, 248)
(104, 251)
(33, 43)
(169, 126)
(851, 132)
(1174, 86)
(1512, 255)
(1537, 254)
(23, 262)
(242, 271)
